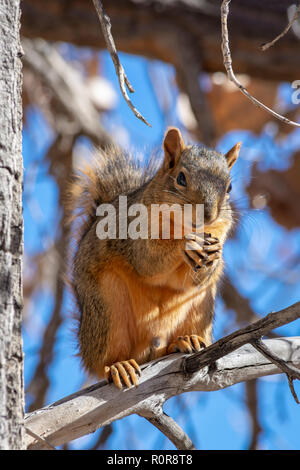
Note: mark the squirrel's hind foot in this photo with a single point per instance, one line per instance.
(186, 344)
(124, 372)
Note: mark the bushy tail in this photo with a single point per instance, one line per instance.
(111, 173)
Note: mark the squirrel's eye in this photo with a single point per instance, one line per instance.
(181, 179)
(229, 188)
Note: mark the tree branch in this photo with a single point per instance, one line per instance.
(110, 43)
(240, 337)
(171, 430)
(146, 27)
(228, 66)
(98, 405)
(266, 46)
(291, 371)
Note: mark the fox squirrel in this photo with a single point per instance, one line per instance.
(140, 299)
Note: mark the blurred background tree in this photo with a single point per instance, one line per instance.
(171, 51)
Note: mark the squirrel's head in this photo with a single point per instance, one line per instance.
(195, 175)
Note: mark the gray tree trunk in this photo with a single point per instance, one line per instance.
(11, 230)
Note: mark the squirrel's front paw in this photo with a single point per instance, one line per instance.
(124, 371)
(201, 252)
(186, 344)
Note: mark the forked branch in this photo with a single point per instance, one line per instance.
(216, 367)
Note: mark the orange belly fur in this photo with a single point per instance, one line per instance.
(142, 311)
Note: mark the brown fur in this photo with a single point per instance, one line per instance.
(136, 297)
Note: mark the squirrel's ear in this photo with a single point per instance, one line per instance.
(173, 147)
(232, 154)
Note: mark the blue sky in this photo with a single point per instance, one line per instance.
(215, 420)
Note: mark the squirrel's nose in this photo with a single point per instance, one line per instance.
(210, 212)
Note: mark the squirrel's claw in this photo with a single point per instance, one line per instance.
(123, 372)
(212, 248)
(201, 252)
(186, 344)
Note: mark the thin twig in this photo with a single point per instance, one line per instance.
(110, 43)
(228, 66)
(291, 371)
(172, 431)
(266, 46)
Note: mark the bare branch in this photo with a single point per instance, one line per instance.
(240, 337)
(171, 430)
(146, 27)
(98, 405)
(266, 46)
(228, 66)
(110, 43)
(291, 371)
